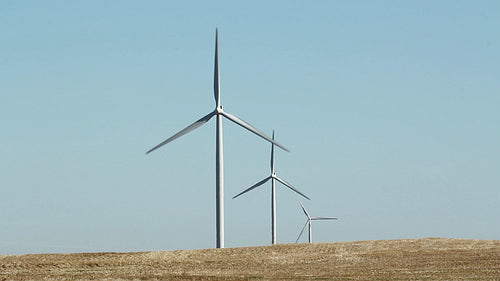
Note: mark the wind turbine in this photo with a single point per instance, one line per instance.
(309, 222)
(273, 179)
(219, 161)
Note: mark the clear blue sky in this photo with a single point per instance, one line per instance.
(391, 111)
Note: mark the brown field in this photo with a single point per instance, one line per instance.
(413, 259)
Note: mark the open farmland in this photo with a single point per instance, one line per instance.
(413, 259)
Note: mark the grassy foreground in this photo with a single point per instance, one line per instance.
(413, 259)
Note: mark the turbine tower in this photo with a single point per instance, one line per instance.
(273, 179)
(309, 222)
(219, 161)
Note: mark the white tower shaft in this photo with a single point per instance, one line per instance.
(273, 211)
(219, 185)
(310, 232)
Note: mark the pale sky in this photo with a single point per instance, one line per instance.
(391, 111)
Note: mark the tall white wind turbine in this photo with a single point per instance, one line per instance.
(273, 179)
(219, 162)
(309, 222)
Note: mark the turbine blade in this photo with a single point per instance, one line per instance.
(186, 130)
(302, 231)
(291, 187)
(323, 218)
(253, 186)
(272, 155)
(216, 69)
(304, 209)
(252, 129)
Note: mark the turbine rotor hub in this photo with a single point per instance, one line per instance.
(219, 109)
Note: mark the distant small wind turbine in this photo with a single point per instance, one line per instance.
(219, 162)
(309, 222)
(273, 179)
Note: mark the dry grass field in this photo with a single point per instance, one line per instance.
(413, 259)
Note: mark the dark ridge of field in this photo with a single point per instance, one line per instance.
(412, 259)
